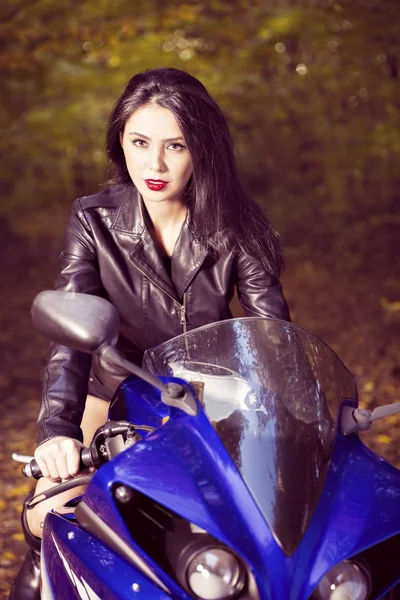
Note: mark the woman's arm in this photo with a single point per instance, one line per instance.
(259, 292)
(67, 371)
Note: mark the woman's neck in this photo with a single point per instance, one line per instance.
(166, 220)
(166, 215)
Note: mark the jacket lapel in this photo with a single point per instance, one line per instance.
(147, 259)
(187, 259)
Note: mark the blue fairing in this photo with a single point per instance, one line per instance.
(359, 507)
(79, 563)
(185, 467)
(136, 401)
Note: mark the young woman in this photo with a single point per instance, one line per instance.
(167, 242)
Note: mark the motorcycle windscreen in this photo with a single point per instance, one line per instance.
(272, 391)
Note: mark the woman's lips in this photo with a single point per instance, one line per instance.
(156, 184)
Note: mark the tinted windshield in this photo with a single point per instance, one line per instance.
(272, 391)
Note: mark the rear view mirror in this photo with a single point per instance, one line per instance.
(91, 324)
(80, 321)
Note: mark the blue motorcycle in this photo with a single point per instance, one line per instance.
(230, 468)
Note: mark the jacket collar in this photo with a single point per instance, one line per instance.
(188, 256)
(130, 214)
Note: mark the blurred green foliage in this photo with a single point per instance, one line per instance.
(310, 89)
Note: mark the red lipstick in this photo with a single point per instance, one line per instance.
(156, 184)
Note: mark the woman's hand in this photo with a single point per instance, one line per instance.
(59, 458)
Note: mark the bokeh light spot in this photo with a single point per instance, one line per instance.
(168, 46)
(114, 61)
(363, 92)
(347, 25)
(333, 45)
(186, 54)
(181, 43)
(301, 69)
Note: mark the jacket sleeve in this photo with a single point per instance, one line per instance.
(67, 371)
(259, 292)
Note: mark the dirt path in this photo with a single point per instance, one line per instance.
(351, 305)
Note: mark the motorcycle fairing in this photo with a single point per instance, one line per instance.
(185, 467)
(77, 565)
(358, 508)
(194, 476)
(136, 402)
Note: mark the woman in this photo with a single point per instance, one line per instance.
(167, 243)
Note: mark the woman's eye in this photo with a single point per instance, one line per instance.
(139, 142)
(177, 147)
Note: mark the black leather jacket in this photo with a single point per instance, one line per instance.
(110, 252)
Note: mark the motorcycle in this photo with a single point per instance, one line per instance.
(230, 468)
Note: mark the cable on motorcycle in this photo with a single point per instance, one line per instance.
(58, 489)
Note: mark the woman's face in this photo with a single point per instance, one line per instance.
(156, 155)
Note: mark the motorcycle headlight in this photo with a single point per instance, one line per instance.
(215, 574)
(346, 581)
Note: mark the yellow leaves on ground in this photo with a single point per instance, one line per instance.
(392, 420)
(7, 556)
(368, 387)
(365, 396)
(21, 490)
(393, 390)
(391, 308)
(372, 396)
(383, 438)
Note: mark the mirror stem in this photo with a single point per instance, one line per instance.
(172, 394)
(111, 355)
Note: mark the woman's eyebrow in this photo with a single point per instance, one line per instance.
(147, 138)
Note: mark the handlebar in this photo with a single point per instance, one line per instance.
(33, 470)
(109, 440)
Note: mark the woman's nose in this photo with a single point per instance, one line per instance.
(156, 160)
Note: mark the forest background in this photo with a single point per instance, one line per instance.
(312, 95)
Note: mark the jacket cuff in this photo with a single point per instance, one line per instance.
(58, 427)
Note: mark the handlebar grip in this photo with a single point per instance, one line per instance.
(33, 470)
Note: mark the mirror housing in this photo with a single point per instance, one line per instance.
(91, 324)
(80, 321)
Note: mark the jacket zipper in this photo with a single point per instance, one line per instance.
(184, 326)
(183, 316)
(182, 306)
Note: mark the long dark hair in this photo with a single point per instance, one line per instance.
(222, 216)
